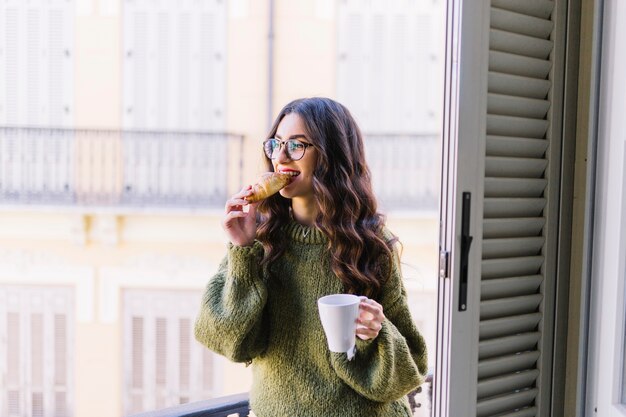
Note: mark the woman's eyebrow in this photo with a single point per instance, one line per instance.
(291, 137)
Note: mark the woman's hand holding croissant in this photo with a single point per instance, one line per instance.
(240, 226)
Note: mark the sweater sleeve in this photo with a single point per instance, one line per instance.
(394, 363)
(231, 319)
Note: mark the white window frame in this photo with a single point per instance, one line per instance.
(172, 305)
(607, 333)
(47, 301)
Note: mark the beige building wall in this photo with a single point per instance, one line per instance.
(97, 251)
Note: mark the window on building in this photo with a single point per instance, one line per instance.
(163, 363)
(36, 344)
(389, 74)
(389, 64)
(174, 65)
(37, 63)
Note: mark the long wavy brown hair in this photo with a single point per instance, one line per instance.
(347, 209)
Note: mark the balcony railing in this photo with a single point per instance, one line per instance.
(116, 168)
(405, 169)
(238, 405)
(141, 169)
(233, 405)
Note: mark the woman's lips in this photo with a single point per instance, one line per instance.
(291, 172)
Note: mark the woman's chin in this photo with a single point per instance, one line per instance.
(285, 193)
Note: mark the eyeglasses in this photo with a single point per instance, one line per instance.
(294, 148)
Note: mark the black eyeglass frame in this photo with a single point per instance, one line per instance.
(284, 142)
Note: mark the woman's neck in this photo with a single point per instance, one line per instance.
(303, 211)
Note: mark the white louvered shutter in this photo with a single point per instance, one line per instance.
(387, 70)
(174, 65)
(505, 151)
(36, 332)
(163, 364)
(389, 76)
(37, 62)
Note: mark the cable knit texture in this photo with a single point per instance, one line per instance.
(269, 318)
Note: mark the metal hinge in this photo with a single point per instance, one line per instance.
(444, 257)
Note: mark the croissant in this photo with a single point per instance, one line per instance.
(269, 184)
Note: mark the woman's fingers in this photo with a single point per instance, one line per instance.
(234, 214)
(235, 204)
(237, 201)
(370, 320)
(372, 307)
(239, 221)
(365, 334)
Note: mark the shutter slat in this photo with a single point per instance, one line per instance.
(514, 167)
(500, 404)
(514, 187)
(512, 247)
(516, 85)
(508, 345)
(509, 326)
(60, 404)
(516, 126)
(507, 307)
(160, 351)
(505, 105)
(513, 207)
(516, 147)
(184, 348)
(508, 247)
(537, 8)
(137, 352)
(524, 412)
(514, 43)
(511, 267)
(60, 349)
(524, 66)
(509, 287)
(37, 350)
(505, 364)
(15, 349)
(520, 23)
(500, 228)
(507, 383)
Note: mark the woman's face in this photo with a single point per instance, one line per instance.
(301, 186)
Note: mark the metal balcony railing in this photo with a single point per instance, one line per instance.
(142, 169)
(238, 405)
(405, 169)
(116, 168)
(232, 405)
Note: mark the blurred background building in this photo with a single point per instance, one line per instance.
(124, 126)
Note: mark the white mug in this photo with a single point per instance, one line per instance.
(339, 313)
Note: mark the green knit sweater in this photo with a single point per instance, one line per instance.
(274, 324)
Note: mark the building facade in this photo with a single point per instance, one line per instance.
(124, 126)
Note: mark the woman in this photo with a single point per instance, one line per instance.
(320, 235)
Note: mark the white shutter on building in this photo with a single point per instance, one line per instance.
(174, 65)
(163, 363)
(37, 336)
(387, 69)
(37, 61)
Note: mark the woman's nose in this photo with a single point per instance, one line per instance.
(282, 154)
